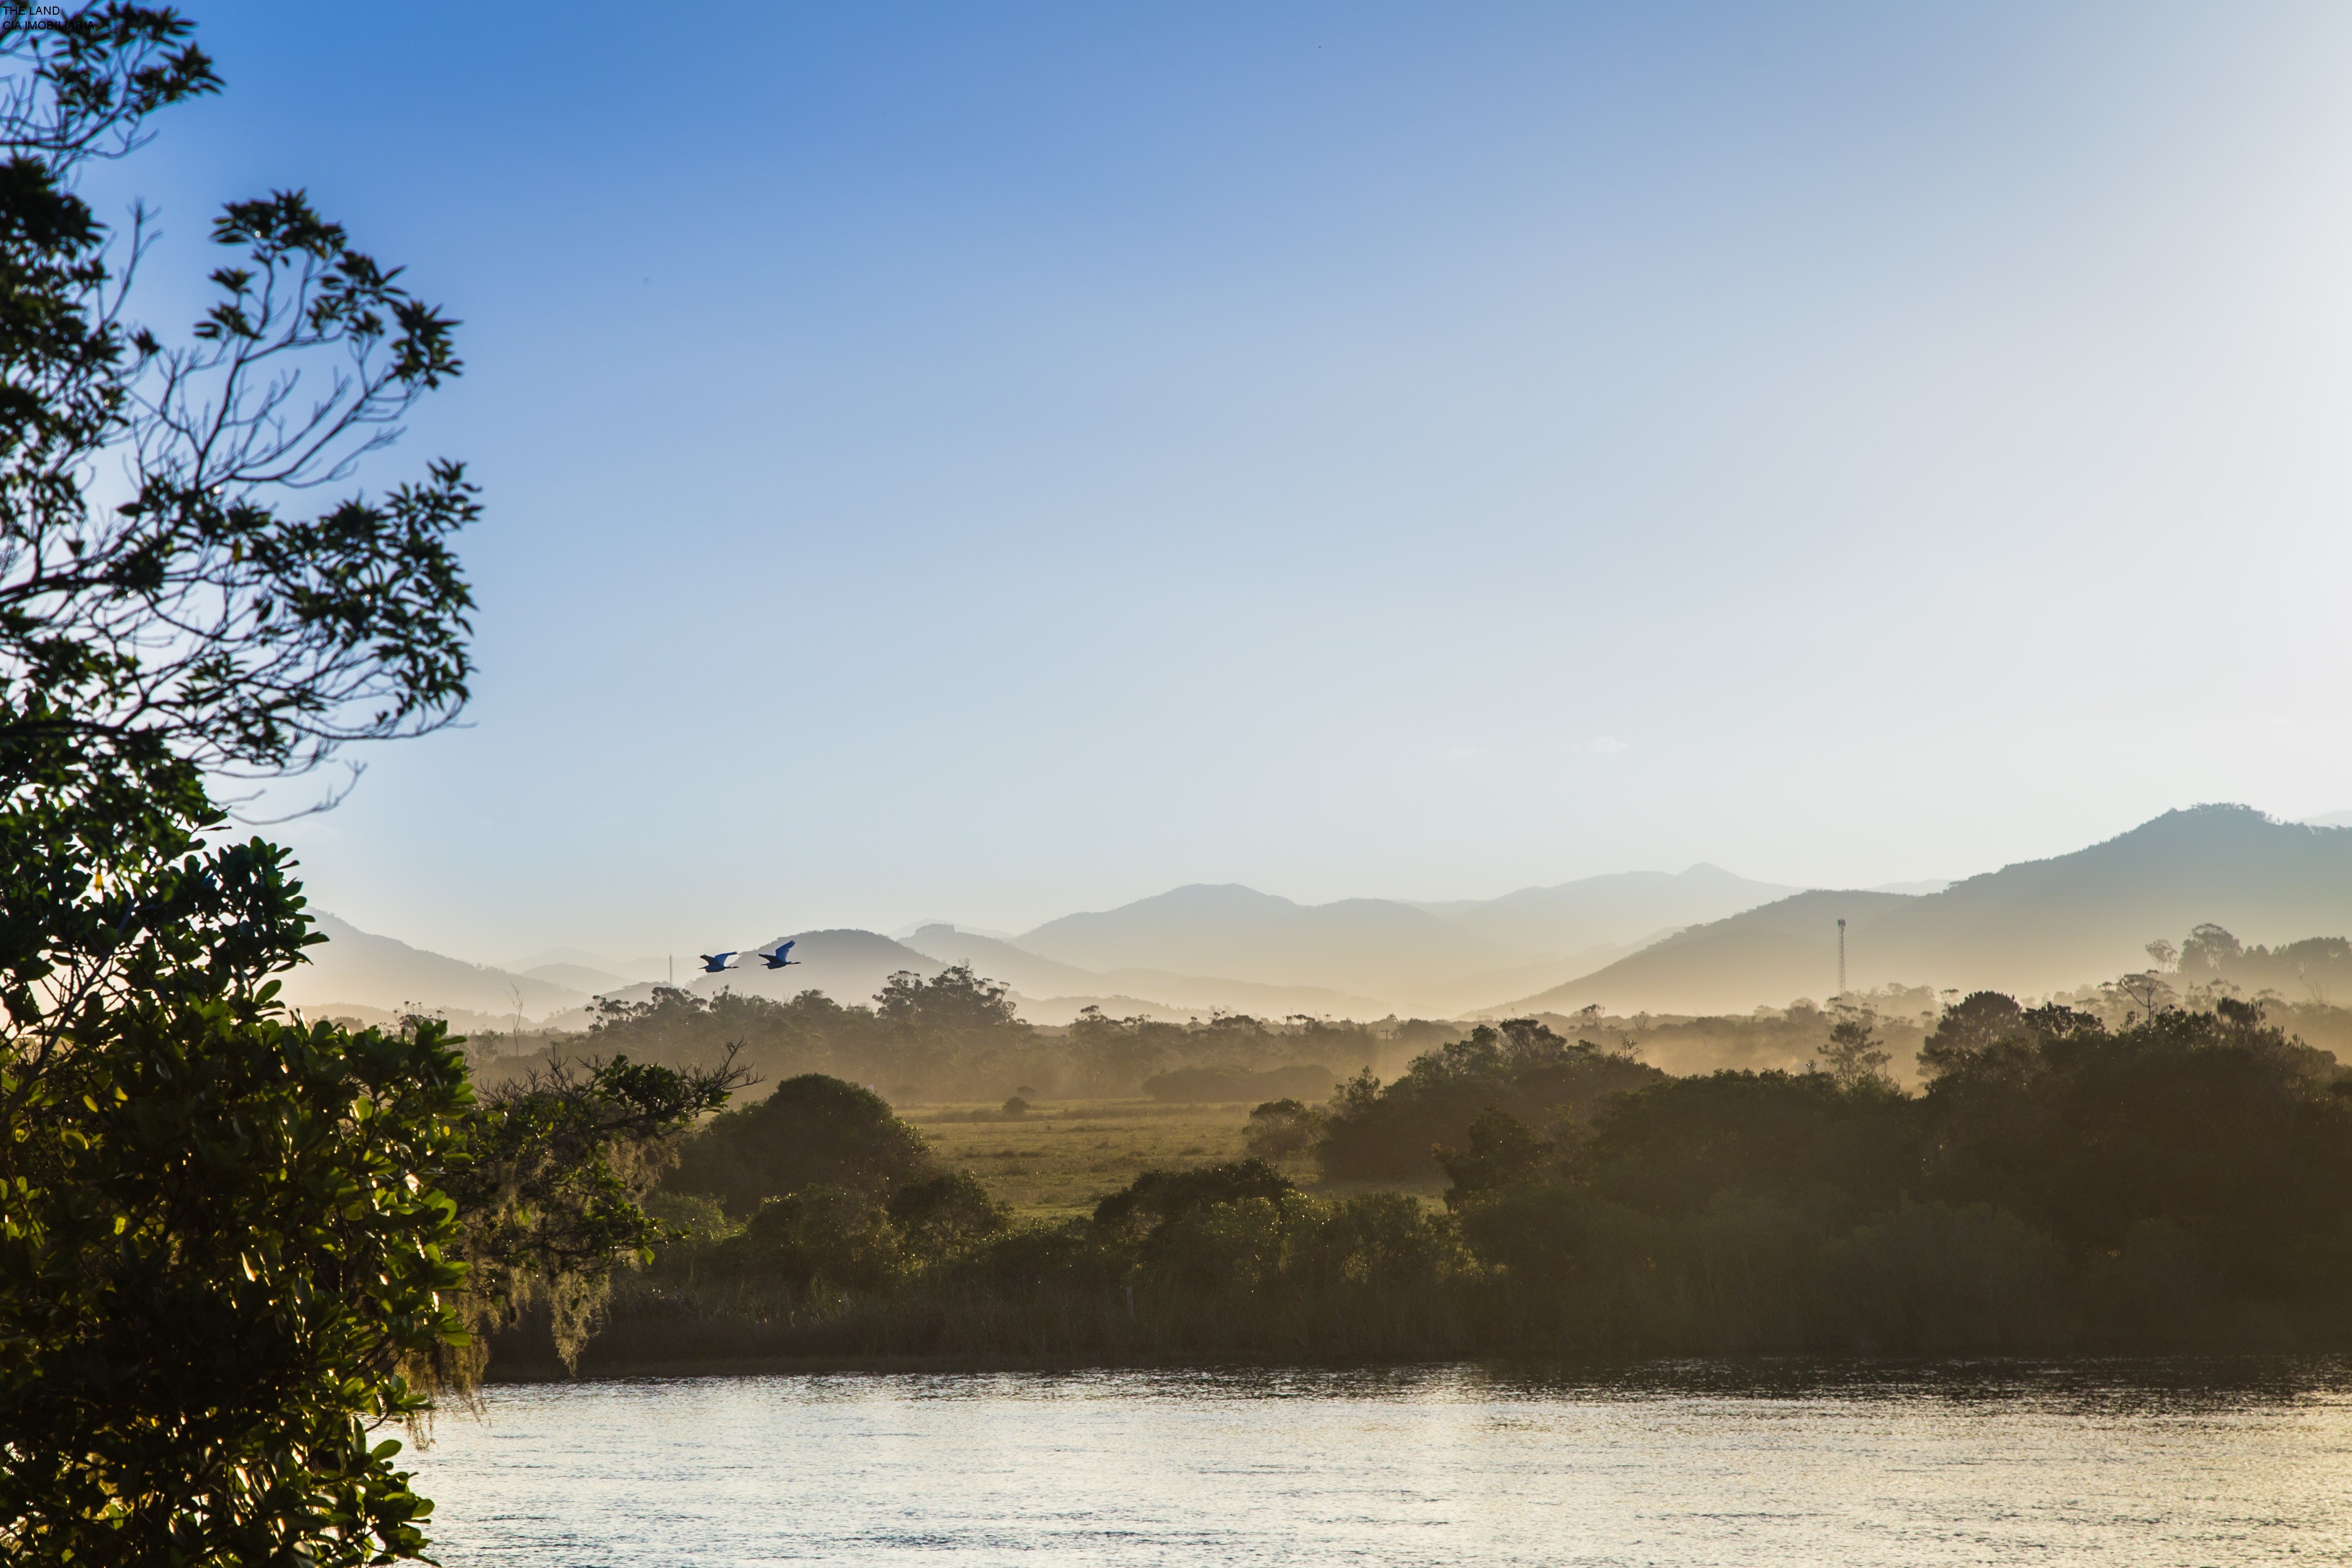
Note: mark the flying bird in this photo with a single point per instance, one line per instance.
(716, 963)
(777, 959)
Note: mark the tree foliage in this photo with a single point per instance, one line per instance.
(226, 1263)
(1521, 1067)
(232, 1245)
(811, 1130)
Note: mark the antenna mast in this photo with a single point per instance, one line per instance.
(1840, 955)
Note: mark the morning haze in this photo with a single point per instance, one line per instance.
(1477, 785)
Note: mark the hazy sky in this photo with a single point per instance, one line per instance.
(983, 461)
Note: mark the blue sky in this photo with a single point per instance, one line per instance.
(982, 462)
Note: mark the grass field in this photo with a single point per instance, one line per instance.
(1054, 1163)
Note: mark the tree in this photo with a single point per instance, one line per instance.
(218, 1281)
(2208, 948)
(811, 1130)
(956, 1026)
(1112, 1056)
(1975, 1024)
(1281, 1127)
(1854, 1056)
(2147, 993)
(939, 1213)
(232, 1244)
(955, 999)
(1500, 1151)
(1521, 1066)
(196, 627)
(549, 1186)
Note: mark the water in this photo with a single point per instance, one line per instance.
(1702, 1463)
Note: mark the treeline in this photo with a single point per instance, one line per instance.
(954, 1037)
(957, 1036)
(1790, 1036)
(2183, 1181)
(2296, 983)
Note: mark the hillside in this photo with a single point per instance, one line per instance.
(1042, 982)
(1600, 912)
(358, 968)
(2029, 928)
(2088, 915)
(1765, 957)
(1365, 946)
(1365, 956)
(848, 966)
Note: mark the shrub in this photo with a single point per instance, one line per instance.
(823, 1237)
(1520, 1067)
(939, 1214)
(812, 1130)
(1379, 1241)
(1281, 1127)
(1500, 1151)
(1157, 1196)
(1230, 1247)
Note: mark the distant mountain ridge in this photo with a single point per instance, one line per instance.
(1188, 951)
(2030, 928)
(1356, 944)
(1040, 979)
(359, 967)
(1686, 942)
(848, 966)
(1599, 911)
(1437, 958)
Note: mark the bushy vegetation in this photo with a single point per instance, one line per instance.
(2185, 1180)
(812, 1131)
(1377, 1132)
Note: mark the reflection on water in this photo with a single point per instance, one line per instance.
(2233, 1461)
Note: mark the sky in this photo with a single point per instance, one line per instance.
(982, 462)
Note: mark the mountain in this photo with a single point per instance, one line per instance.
(1769, 956)
(1370, 955)
(1044, 980)
(2088, 915)
(625, 970)
(997, 959)
(1606, 911)
(2029, 929)
(579, 977)
(848, 966)
(360, 968)
(1369, 946)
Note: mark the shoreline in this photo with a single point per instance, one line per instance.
(1807, 1366)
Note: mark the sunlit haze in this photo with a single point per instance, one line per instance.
(989, 463)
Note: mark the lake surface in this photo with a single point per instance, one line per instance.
(2237, 1461)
